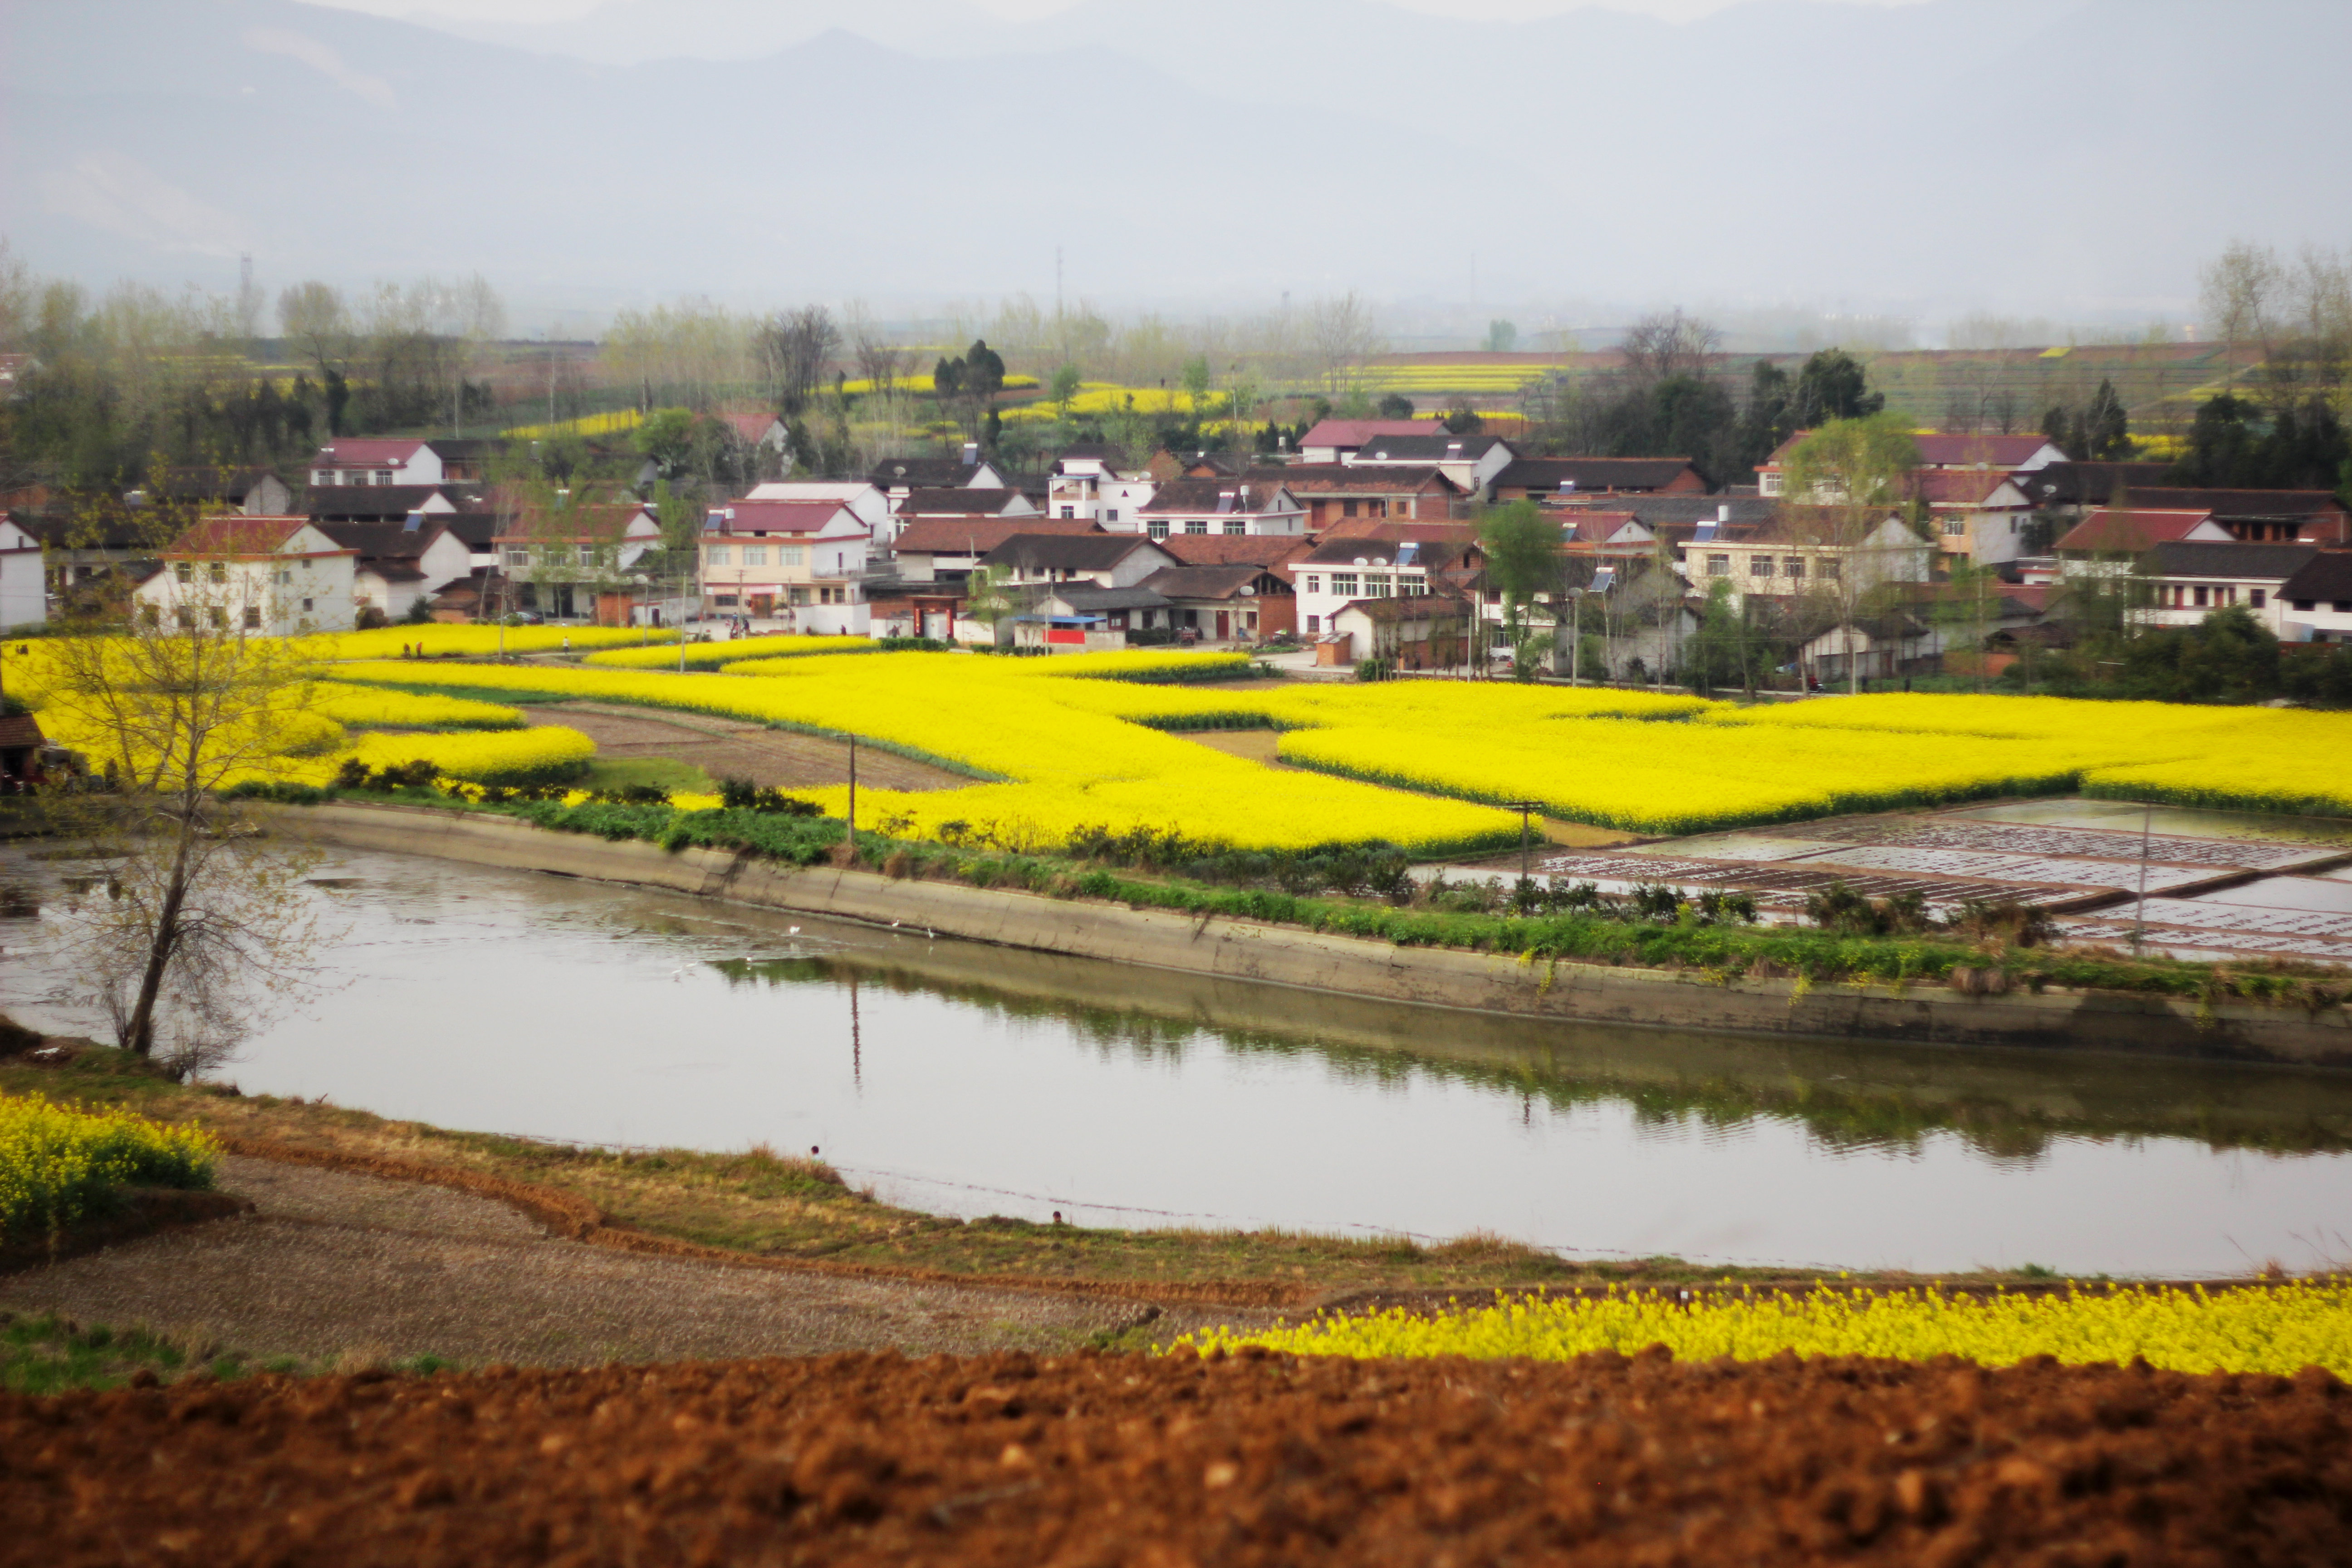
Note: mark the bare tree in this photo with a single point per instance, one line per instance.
(198, 922)
(317, 323)
(2239, 292)
(1668, 343)
(1341, 336)
(794, 347)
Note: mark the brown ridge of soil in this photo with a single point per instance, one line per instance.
(137, 1211)
(728, 748)
(573, 1218)
(1160, 1461)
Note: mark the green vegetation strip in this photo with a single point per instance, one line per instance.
(1719, 952)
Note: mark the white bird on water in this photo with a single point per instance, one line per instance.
(794, 931)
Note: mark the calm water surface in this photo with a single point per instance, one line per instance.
(972, 1080)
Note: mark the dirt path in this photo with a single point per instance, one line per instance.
(727, 748)
(334, 1263)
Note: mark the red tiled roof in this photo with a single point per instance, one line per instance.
(19, 729)
(1956, 487)
(961, 536)
(777, 516)
(232, 536)
(751, 427)
(1235, 549)
(2116, 529)
(1356, 432)
(1978, 449)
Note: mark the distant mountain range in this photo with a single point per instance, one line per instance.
(2072, 158)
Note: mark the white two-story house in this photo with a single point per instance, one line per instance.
(800, 562)
(278, 576)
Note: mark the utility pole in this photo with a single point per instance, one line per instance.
(852, 839)
(2140, 921)
(1526, 810)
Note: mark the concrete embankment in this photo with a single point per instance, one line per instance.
(1353, 966)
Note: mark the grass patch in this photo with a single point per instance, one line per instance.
(613, 774)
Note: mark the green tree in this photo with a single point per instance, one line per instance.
(989, 599)
(1501, 337)
(1521, 543)
(1065, 390)
(1860, 462)
(668, 437)
(1394, 406)
(1833, 386)
(1196, 383)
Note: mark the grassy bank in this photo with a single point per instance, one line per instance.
(1681, 942)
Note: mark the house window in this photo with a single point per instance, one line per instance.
(1314, 624)
(717, 554)
(1830, 571)
(1155, 528)
(2202, 594)
(1236, 529)
(217, 571)
(1196, 525)
(1347, 509)
(1718, 565)
(1110, 515)
(285, 578)
(220, 617)
(2308, 605)
(2258, 599)
(1413, 585)
(2342, 606)
(1795, 568)
(1759, 566)
(725, 601)
(518, 557)
(184, 571)
(187, 617)
(1954, 527)
(790, 555)
(306, 604)
(1315, 586)
(383, 476)
(1376, 584)
(1344, 584)
(755, 555)
(1069, 512)
(253, 618)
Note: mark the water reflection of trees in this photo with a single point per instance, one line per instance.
(1844, 1121)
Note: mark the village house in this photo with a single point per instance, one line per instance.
(1335, 493)
(1984, 452)
(577, 562)
(2109, 538)
(1804, 552)
(1472, 462)
(1563, 479)
(961, 502)
(255, 492)
(1260, 503)
(276, 576)
(1978, 517)
(763, 437)
(801, 562)
(1338, 440)
(1103, 560)
(1223, 603)
(1423, 631)
(1395, 561)
(2182, 581)
(1086, 485)
(395, 564)
(865, 500)
(2073, 488)
(388, 460)
(896, 475)
(23, 589)
(2260, 517)
(932, 564)
(2315, 604)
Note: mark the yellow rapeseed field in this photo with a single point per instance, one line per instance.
(2277, 1329)
(479, 642)
(713, 655)
(382, 707)
(1062, 766)
(56, 1160)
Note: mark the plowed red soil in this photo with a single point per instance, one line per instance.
(1093, 1459)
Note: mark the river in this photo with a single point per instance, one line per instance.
(967, 1079)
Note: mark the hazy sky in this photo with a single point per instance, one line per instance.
(557, 10)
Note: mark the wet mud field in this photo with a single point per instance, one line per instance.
(1101, 1459)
